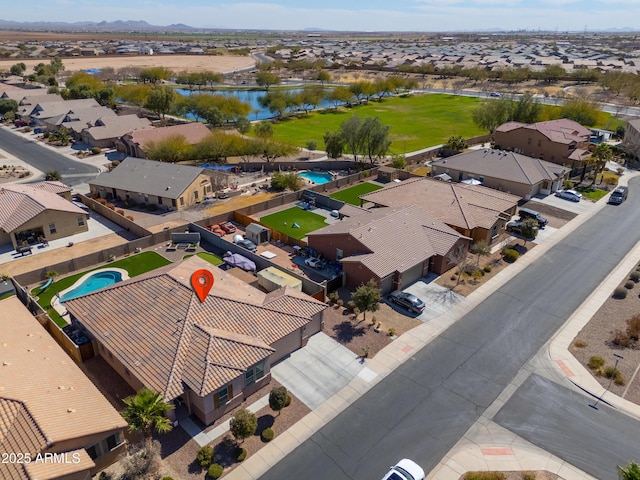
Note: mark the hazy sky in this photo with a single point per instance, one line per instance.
(361, 15)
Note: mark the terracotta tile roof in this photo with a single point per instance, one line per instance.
(558, 131)
(503, 165)
(395, 239)
(192, 132)
(76, 461)
(456, 204)
(51, 187)
(44, 396)
(115, 127)
(19, 203)
(164, 336)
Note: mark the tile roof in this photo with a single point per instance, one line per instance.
(503, 165)
(456, 204)
(159, 330)
(45, 398)
(115, 127)
(559, 131)
(19, 203)
(161, 179)
(394, 239)
(192, 132)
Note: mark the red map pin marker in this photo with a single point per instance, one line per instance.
(202, 281)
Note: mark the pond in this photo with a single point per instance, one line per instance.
(252, 97)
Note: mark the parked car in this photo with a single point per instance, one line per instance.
(405, 469)
(571, 195)
(20, 123)
(246, 244)
(222, 195)
(528, 213)
(407, 300)
(314, 262)
(619, 195)
(228, 227)
(494, 94)
(216, 230)
(514, 226)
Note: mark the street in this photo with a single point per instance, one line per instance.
(44, 159)
(424, 407)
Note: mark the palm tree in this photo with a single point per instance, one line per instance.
(602, 154)
(631, 471)
(146, 411)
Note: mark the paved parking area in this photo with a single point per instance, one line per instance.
(319, 370)
(437, 299)
(574, 207)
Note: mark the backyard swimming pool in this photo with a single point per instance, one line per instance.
(92, 282)
(317, 178)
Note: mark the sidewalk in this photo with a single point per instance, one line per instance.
(486, 446)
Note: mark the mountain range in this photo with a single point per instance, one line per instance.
(104, 26)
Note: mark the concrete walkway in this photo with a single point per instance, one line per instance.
(486, 446)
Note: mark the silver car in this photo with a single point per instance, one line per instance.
(571, 195)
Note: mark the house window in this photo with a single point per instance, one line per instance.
(173, 202)
(539, 143)
(159, 200)
(494, 231)
(182, 201)
(81, 221)
(52, 228)
(529, 141)
(222, 396)
(254, 374)
(112, 442)
(92, 452)
(127, 372)
(339, 253)
(195, 194)
(146, 198)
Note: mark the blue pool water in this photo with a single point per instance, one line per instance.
(317, 178)
(93, 282)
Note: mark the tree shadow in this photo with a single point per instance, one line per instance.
(345, 332)
(226, 452)
(264, 422)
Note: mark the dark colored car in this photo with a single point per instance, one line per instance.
(528, 213)
(407, 300)
(619, 195)
(247, 244)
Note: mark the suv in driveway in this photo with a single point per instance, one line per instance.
(407, 300)
(528, 213)
(619, 195)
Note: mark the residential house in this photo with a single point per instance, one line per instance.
(563, 141)
(209, 356)
(35, 212)
(135, 143)
(505, 171)
(167, 185)
(105, 131)
(474, 211)
(42, 112)
(631, 140)
(49, 406)
(393, 246)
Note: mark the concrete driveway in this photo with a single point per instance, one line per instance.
(437, 299)
(576, 207)
(319, 370)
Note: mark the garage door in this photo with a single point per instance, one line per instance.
(411, 275)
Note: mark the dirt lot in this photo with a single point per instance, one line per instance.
(177, 63)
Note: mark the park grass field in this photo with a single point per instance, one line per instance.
(350, 195)
(307, 220)
(417, 122)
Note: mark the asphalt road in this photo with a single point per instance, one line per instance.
(73, 172)
(424, 407)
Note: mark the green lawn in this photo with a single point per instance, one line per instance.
(351, 194)
(591, 193)
(307, 220)
(209, 257)
(134, 265)
(416, 122)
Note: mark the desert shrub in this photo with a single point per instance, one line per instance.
(241, 454)
(120, 212)
(339, 302)
(204, 457)
(528, 476)
(629, 284)
(596, 362)
(621, 339)
(152, 207)
(478, 274)
(167, 477)
(350, 306)
(267, 434)
(620, 293)
(115, 163)
(635, 276)
(96, 150)
(101, 201)
(614, 374)
(392, 332)
(26, 129)
(487, 268)
(484, 476)
(333, 297)
(511, 255)
(580, 344)
(633, 328)
(111, 206)
(288, 402)
(129, 217)
(215, 471)
(453, 278)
